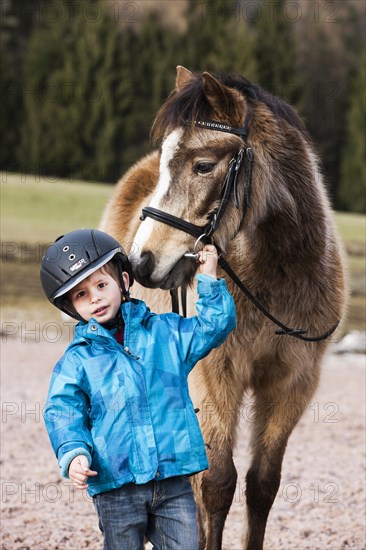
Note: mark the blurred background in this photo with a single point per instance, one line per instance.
(83, 80)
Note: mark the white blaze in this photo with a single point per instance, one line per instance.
(169, 147)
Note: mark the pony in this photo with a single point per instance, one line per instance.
(278, 235)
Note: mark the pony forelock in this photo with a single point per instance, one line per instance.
(190, 104)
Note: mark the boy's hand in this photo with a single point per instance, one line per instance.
(208, 259)
(79, 471)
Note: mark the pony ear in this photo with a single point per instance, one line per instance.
(227, 104)
(184, 76)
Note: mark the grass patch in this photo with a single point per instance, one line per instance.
(352, 227)
(37, 210)
(356, 316)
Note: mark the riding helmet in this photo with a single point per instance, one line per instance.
(75, 256)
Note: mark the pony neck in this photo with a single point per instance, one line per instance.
(281, 243)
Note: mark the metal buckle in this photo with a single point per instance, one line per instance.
(195, 255)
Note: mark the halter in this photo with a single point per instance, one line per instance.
(205, 233)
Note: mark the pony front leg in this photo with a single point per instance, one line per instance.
(214, 492)
(218, 489)
(217, 393)
(277, 411)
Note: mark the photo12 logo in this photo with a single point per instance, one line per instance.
(253, 11)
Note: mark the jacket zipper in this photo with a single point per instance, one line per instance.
(127, 350)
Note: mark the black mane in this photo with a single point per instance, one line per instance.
(190, 104)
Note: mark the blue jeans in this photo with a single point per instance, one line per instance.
(162, 511)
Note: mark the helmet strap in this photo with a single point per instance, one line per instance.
(67, 308)
(125, 291)
(126, 296)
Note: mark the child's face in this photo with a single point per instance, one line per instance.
(98, 296)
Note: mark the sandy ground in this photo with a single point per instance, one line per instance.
(320, 504)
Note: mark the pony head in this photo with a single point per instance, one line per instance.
(194, 162)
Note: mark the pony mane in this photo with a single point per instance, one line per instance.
(190, 104)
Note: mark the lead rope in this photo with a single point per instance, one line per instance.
(283, 330)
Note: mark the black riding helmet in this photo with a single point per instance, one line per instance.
(75, 256)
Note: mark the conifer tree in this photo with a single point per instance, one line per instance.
(275, 51)
(352, 191)
(329, 56)
(218, 39)
(11, 113)
(74, 118)
(152, 54)
(17, 22)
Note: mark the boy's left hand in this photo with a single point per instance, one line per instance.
(79, 471)
(208, 259)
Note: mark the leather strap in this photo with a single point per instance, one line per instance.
(295, 332)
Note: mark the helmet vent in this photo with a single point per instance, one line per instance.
(97, 247)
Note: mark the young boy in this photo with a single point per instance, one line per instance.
(118, 413)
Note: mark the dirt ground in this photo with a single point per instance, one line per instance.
(320, 504)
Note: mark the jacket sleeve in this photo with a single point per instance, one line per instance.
(66, 414)
(214, 321)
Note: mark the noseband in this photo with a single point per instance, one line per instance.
(205, 233)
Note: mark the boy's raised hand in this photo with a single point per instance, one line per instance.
(79, 471)
(208, 259)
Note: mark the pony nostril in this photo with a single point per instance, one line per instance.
(145, 266)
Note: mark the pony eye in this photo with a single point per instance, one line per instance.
(203, 167)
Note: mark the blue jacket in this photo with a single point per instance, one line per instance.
(127, 408)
